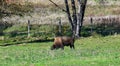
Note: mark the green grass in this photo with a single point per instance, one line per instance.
(92, 51)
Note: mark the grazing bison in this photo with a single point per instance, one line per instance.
(60, 42)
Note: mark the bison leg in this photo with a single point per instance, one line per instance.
(62, 47)
(72, 47)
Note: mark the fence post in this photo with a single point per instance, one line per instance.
(28, 28)
(60, 27)
(91, 21)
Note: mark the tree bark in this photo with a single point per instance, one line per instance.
(69, 16)
(74, 16)
(81, 11)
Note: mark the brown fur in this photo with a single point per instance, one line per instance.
(60, 42)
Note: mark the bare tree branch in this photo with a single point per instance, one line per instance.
(58, 6)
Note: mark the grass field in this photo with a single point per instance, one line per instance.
(91, 51)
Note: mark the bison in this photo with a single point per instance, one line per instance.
(60, 42)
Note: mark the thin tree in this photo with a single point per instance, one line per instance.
(69, 16)
(74, 16)
(81, 11)
(76, 21)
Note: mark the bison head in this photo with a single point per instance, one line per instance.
(52, 47)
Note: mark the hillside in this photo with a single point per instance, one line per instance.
(50, 15)
(90, 2)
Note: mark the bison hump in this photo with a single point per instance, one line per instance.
(57, 40)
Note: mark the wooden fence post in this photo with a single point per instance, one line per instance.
(28, 28)
(60, 27)
(91, 21)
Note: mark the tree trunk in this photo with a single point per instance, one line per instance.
(81, 11)
(74, 16)
(69, 16)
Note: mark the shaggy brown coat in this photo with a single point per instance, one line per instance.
(60, 42)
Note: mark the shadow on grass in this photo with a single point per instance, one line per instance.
(17, 43)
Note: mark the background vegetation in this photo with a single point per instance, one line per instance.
(7, 9)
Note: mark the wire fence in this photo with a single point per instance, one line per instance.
(27, 32)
